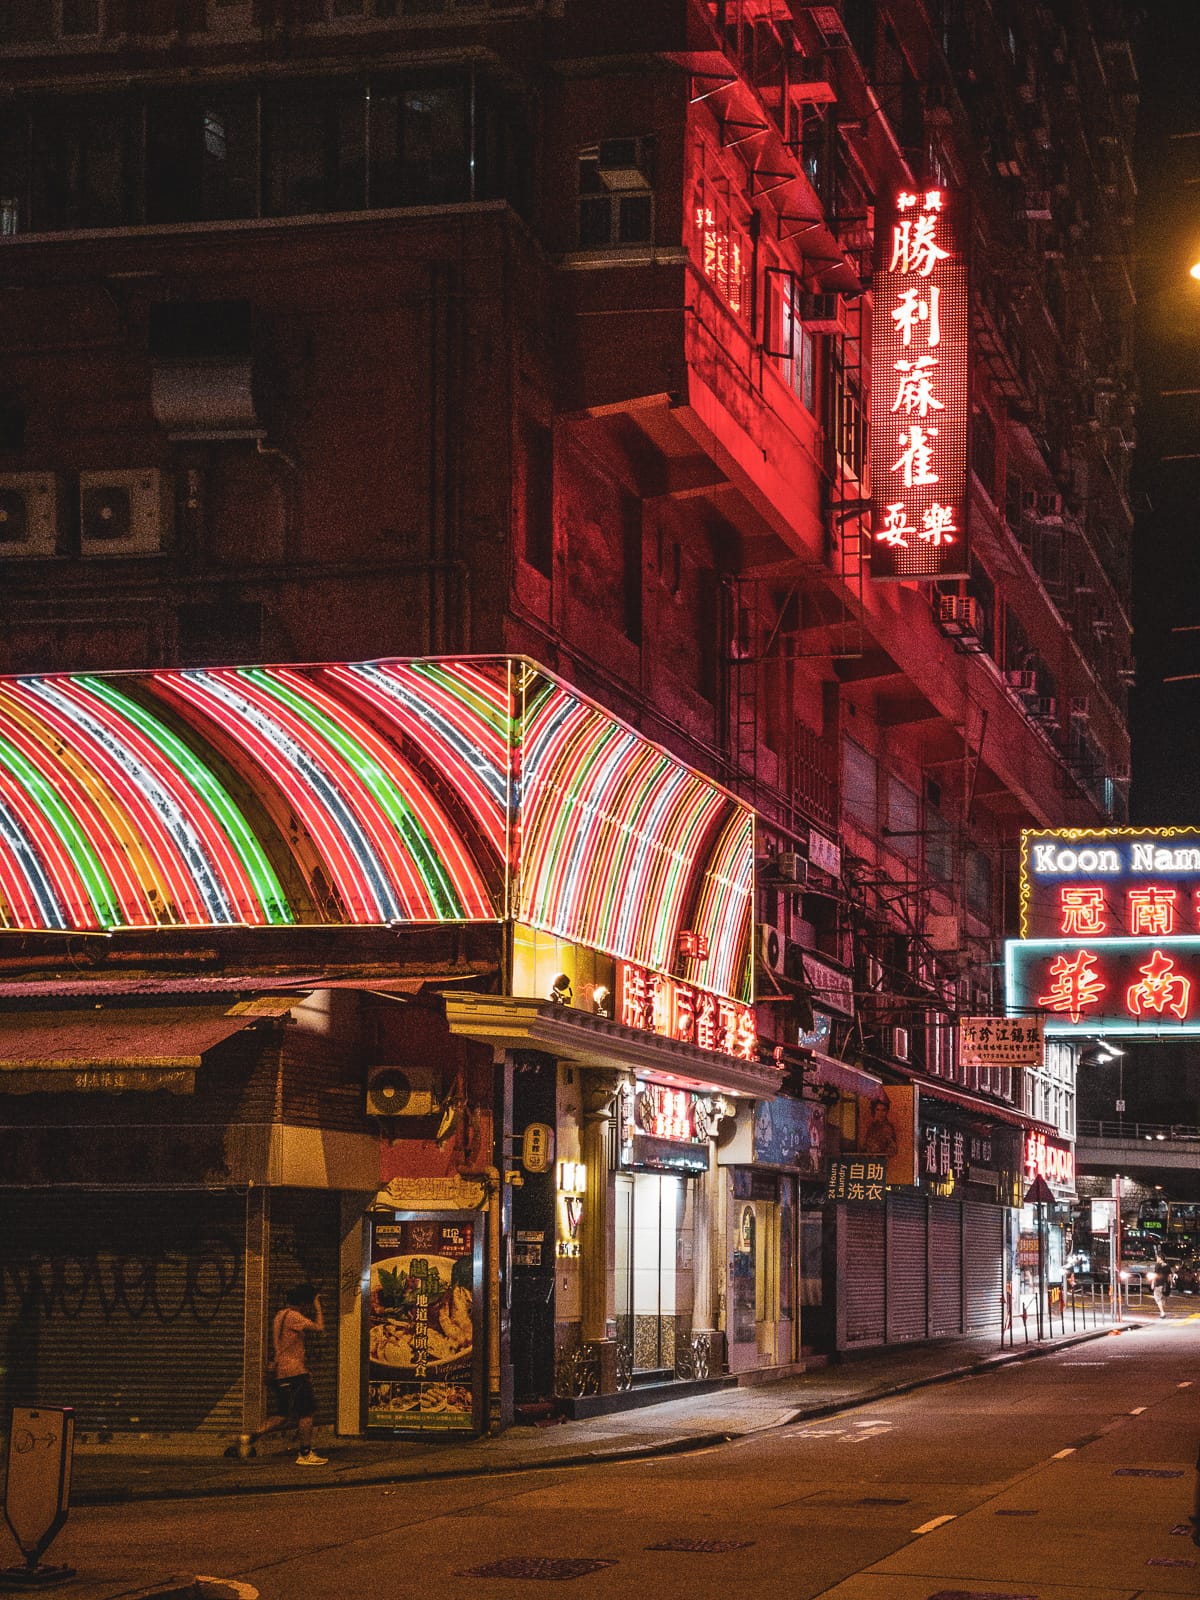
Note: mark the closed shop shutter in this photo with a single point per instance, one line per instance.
(906, 1267)
(128, 1307)
(945, 1267)
(983, 1265)
(304, 1249)
(865, 1279)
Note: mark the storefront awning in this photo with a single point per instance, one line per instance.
(987, 1109)
(594, 1041)
(850, 1080)
(101, 1051)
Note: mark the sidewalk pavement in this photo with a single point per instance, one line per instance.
(106, 1475)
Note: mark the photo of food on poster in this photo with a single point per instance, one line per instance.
(422, 1337)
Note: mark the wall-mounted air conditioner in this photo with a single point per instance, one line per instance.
(125, 513)
(791, 869)
(1042, 708)
(402, 1092)
(772, 948)
(1050, 507)
(30, 514)
(1080, 708)
(1021, 680)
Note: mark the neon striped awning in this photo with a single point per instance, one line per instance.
(373, 793)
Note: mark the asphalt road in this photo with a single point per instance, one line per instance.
(1035, 1480)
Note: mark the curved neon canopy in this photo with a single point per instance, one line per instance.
(384, 792)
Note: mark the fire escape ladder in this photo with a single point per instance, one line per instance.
(848, 500)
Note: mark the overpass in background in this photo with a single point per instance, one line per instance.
(1120, 1145)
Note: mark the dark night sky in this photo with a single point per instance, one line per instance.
(1165, 718)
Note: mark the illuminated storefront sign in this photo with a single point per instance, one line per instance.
(572, 1186)
(666, 1129)
(855, 1180)
(1107, 985)
(658, 1004)
(1110, 883)
(1049, 1159)
(1000, 1041)
(919, 392)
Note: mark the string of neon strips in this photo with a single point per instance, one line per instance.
(394, 799)
(199, 889)
(341, 844)
(125, 793)
(723, 913)
(241, 859)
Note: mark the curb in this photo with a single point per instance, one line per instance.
(682, 1445)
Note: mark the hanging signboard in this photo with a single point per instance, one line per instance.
(920, 403)
(1000, 1041)
(424, 1345)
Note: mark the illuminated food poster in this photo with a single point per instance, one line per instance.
(424, 1355)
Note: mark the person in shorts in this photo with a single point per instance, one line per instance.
(290, 1383)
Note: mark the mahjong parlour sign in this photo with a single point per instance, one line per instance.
(920, 401)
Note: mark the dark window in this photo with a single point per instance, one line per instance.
(981, 588)
(14, 172)
(903, 823)
(616, 194)
(939, 847)
(419, 145)
(83, 167)
(979, 884)
(983, 450)
(860, 784)
(314, 143)
(202, 157)
(187, 330)
(539, 497)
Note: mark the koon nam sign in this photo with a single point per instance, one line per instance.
(1110, 883)
(920, 404)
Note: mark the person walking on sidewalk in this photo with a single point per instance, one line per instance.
(1161, 1284)
(289, 1375)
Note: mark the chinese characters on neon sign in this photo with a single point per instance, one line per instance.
(722, 258)
(919, 409)
(1046, 1158)
(1117, 985)
(658, 1004)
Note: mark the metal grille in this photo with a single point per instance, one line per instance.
(864, 1274)
(945, 1248)
(705, 1547)
(983, 1266)
(553, 1569)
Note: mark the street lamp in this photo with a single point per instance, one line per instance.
(1194, 271)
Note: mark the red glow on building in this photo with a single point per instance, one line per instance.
(919, 396)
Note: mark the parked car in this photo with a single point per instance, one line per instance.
(1187, 1275)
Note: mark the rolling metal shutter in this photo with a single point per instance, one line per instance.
(983, 1265)
(865, 1274)
(128, 1307)
(945, 1267)
(906, 1267)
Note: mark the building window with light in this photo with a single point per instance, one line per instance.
(616, 194)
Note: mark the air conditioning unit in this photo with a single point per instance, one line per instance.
(1042, 708)
(1037, 206)
(1050, 507)
(1021, 680)
(772, 948)
(125, 513)
(821, 313)
(828, 21)
(1120, 774)
(791, 868)
(30, 514)
(1080, 708)
(958, 616)
(402, 1092)
(894, 1043)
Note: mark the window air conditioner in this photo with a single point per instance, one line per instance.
(1050, 508)
(30, 514)
(124, 513)
(791, 868)
(623, 164)
(958, 616)
(895, 1043)
(1021, 680)
(1042, 708)
(821, 313)
(1080, 708)
(772, 948)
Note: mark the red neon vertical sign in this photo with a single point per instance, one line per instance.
(920, 404)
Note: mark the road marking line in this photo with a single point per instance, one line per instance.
(1059, 1454)
(928, 1527)
(1137, 1411)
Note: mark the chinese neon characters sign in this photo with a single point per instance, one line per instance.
(1122, 985)
(1047, 1158)
(919, 398)
(658, 1004)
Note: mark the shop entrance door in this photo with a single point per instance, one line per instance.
(653, 1270)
